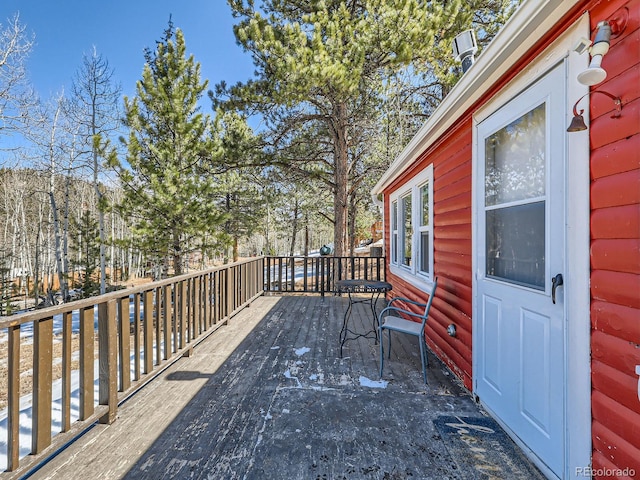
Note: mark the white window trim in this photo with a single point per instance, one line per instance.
(412, 273)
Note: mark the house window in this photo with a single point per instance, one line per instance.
(412, 228)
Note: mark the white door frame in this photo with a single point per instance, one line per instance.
(577, 295)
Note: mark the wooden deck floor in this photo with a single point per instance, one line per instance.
(268, 397)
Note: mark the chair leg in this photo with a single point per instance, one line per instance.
(422, 359)
(426, 355)
(381, 354)
(389, 354)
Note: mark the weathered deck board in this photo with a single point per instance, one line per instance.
(252, 403)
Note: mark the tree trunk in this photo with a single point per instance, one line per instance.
(56, 232)
(353, 208)
(96, 186)
(177, 254)
(294, 232)
(341, 170)
(235, 254)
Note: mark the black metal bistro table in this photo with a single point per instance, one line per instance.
(374, 289)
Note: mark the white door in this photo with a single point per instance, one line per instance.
(520, 365)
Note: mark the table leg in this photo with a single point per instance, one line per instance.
(343, 332)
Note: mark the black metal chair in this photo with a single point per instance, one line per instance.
(394, 323)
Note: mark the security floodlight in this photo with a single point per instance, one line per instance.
(464, 48)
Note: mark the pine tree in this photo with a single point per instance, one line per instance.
(86, 235)
(168, 197)
(322, 63)
(322, 67)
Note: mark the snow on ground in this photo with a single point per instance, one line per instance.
(366, 382)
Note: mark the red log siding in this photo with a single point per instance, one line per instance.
(452, 249)
(615, 249)
(615, 240)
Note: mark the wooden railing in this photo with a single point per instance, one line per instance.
(127, 336)
(318, 274)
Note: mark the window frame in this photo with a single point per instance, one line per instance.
(412, 272)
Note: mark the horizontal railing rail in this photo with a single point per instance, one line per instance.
(299, 274)
(106, 347)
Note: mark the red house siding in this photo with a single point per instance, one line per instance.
(451, 160)
(615, 239)
(615, 249)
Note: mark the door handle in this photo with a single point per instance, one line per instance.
(555, 282)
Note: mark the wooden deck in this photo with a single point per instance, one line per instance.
(268, 397)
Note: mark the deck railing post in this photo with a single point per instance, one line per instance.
(148, 331)
(42, 390)
(13, 410)
(67, 323)
(107, 360)
(124, 337)
(87, 338)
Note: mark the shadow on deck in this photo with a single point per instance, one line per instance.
(268, 397)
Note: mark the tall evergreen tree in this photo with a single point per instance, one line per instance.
(323, 62)
(170, 201)
(86, 236)
(322, 67)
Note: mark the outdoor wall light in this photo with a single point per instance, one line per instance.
(577, 123)
(605, 30)
(464, 48)
(595, 73)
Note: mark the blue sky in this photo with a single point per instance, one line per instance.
(120, 30)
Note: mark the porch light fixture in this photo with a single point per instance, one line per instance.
(464, 48)
(595, 73)
(577, 123)
(605, 30)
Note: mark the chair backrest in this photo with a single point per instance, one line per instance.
(428, 307)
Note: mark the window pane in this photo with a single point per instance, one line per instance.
(394, 247)
(515, 160)
(424, 252)
(424, 195)
(515, 245)
(394, 216)
(407, 230)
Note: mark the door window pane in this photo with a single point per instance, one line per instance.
(515, 160)
(515, 244)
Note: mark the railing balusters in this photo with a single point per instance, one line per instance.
(319, 274)
(173, 312)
